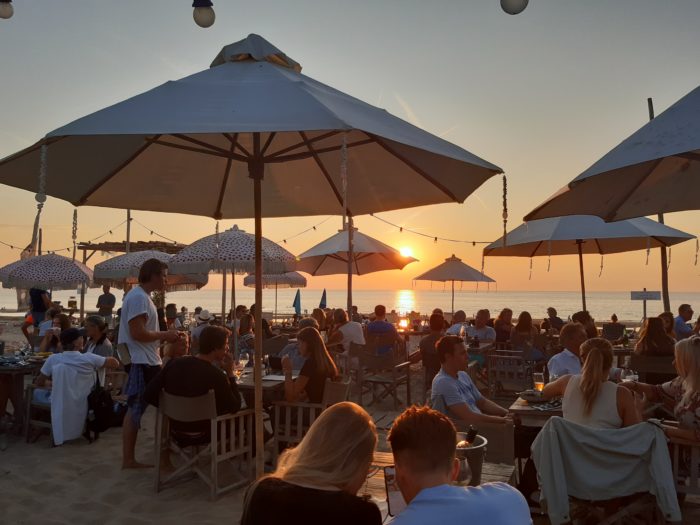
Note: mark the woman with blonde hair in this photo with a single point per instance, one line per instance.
(682, 394)
(318, 367)
(317, 481)
(589, 398)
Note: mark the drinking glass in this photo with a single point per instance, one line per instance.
(243, 359)
(538, 381)
(627, 376)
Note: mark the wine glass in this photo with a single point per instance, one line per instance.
(243, 359)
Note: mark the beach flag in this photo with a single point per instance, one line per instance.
(322, 304)
(297, 303)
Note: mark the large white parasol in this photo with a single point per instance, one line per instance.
(48, 272)
(277, 280)
(453, 269)
(579, 234)
(124, 270)
(261, 139)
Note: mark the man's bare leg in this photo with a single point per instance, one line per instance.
(130, 432)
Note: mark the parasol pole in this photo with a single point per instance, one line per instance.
(346, 215)
(664, 254)
(256, 171)
(275, 318)
(233, 310)
(128, 231)
(453, 297)
(579, 242)
(223, 297)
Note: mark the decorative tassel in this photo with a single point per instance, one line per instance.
(601, 265)
(697, 248)
(75, 230)
(669, 258)
(549, 255)
(648, 250)
(505, 210)
(530, 277)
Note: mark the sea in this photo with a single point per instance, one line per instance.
(601, 304)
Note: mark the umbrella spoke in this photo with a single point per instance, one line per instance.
(298, 145)
(233, 139)
(320, 151)
(323, 169)
(268, 142)
(205, 151)
(224, 182)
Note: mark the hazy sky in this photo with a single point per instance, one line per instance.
(543, 95)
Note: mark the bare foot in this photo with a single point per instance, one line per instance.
(134, 464)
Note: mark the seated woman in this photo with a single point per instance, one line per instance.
(51, 342)
(522, 337)
(96, 332)
(318, 367)
(504, 325)
(317, 481)
(669, 323)
(681, 395)
(589, 398)
(653, 339)
(246, 337)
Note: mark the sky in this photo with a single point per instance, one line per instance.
(543, 94)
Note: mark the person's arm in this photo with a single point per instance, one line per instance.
(556, 388)
(648, 391)
(336, 337)
(228, 399)
(463, 413)
(629, 406)
(490, 408)
(111, 362)
(138, 331)
(682, 433)
(41, 380)
(46, 341)
(293, 389)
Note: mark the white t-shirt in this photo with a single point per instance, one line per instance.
(83, 362)
(197, 331)
(137, 302)
(456, 329)
(485, 333)
(352, 333)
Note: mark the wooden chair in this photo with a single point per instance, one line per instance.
(660, 367)
(31, 408)
(292, 420)
(231, 437)
(274, 345)
(388, 372)
(685, 461)
(508, 371)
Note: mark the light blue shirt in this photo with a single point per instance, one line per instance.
(292, 350)
(450, 391)
(490, 503)
(683, 330)
(563, 363)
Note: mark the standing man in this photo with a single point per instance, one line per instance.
(105, 304)
(138, 332)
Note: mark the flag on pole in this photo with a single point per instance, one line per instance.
(322, 304)
(297, 303)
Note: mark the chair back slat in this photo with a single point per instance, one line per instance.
(188, 409)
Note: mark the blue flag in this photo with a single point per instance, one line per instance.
(297, 303)
(322, 304)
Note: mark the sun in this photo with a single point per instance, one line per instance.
(406, 251)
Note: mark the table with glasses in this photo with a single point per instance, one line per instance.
(272, 386)
(16, 369)
(535, 415)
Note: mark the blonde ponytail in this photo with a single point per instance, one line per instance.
(598, 357)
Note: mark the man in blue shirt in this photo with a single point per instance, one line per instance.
(380, 327)
(423, 444)
(455, 394)
(681, 327)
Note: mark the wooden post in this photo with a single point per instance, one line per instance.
(128, 231)
(256, 169)
(664, 255)
(82, 291)
(453, 298)
(579, 242)
(223, 297)
(350, 268)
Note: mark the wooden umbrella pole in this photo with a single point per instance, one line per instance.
(453, 298)
(350, 261)
(256, 168)
(233, 309)
(223, 297)
(579, 242)
(275, 318)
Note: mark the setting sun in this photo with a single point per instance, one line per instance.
(406, 251)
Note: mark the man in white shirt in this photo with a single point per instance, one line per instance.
(481, 330)
(344, 331)
(139, 333)
(568, 361)
(423, 444)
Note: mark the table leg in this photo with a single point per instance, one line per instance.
(17, 400)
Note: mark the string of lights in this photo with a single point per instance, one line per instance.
(68, 249)
(435, 238)
(312, 228)
(154, 232)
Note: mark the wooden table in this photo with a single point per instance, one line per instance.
(490, 472)
(272, 390)
(529, 416)
(16, 375)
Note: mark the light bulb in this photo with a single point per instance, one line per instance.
(514, 7)
(6, 10)
(204, 16)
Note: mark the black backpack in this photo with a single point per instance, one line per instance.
(100, 412)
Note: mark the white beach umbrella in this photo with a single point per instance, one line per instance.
(261, 139)
(453, 269)
(579, 234)
(277, 280)
(654, 170)
(124, 270)
(335, 256)
(48, 272)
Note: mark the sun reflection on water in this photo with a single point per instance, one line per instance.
(405, 301)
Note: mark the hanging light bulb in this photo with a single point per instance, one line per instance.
(6, 9)
(514, 7)
(203, 14)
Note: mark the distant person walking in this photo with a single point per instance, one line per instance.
(105, 304)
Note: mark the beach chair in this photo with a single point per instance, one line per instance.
(231, 438)
(382, 375)
(36, 415)
(291, 421)
(274, 345)
(508, 371)
(685, 461)
(653, 369)
(613, 331)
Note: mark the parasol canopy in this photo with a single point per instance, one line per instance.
(48, 272)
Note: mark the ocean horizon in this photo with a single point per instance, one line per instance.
(601, 304)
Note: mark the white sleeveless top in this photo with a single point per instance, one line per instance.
(604, 412)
